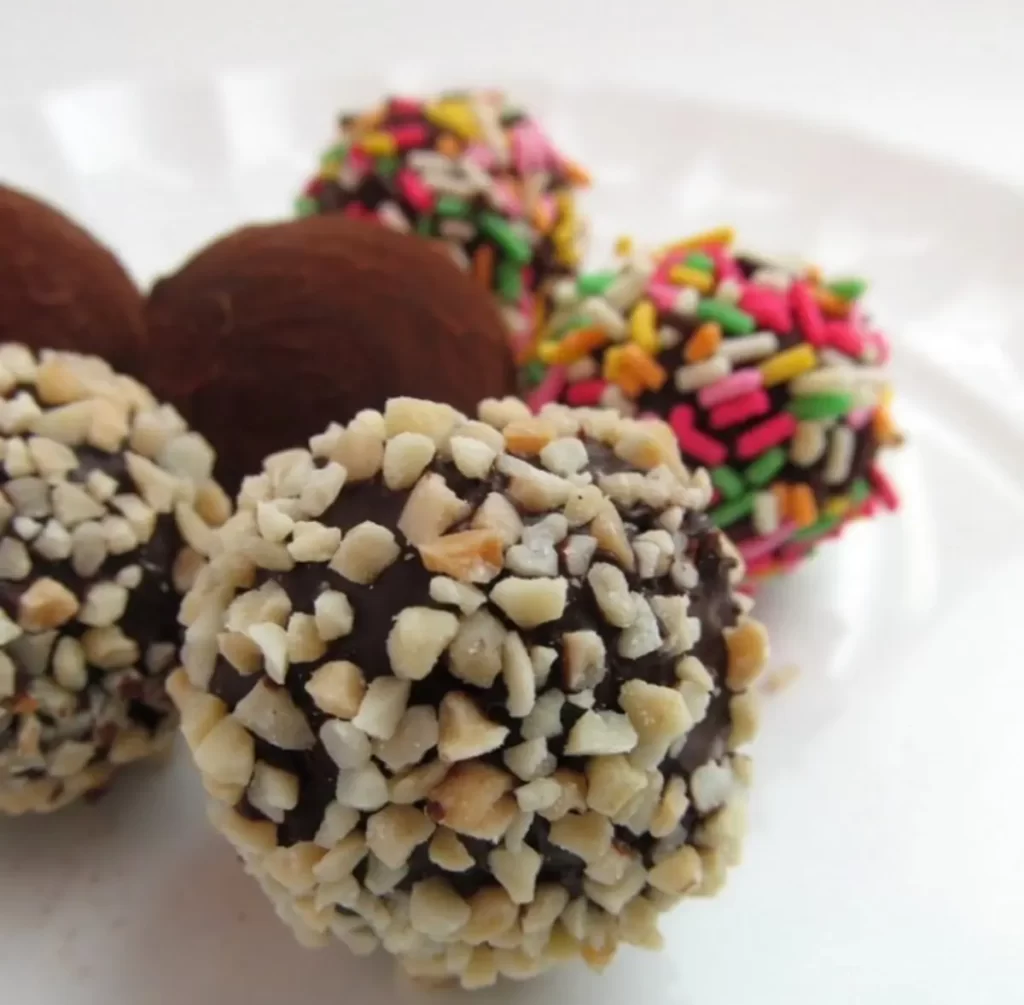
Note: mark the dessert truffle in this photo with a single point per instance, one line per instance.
(769, 374)
(61, 289)
(106, 509)
(475, 691)
(274, 331)
(472, 170)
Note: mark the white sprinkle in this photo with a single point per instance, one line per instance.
(686, 301)
(390, 214)
(729, 291)
(749, 347)
(808, 444)
(766, 513)
(605, 317)
(668, 337)
(696, 375)
(840, 455)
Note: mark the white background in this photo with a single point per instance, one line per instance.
(944, 76)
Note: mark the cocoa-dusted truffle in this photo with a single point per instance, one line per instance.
(274, 331)
(475, 690)
(61, 289)
(769, 374)
(105, 513)
(472, 170)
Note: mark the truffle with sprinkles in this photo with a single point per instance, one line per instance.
(475, 691)
(770, 375)
(469, 169)
(106, 510)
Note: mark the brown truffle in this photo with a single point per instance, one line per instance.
(61, 289)
(274, 331)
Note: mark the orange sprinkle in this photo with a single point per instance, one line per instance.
(719, 235)
(884, 427)
(542, 217)
(814, 273)
(801, 505)
(703, 343)
(448, 145)
(702, 282)
(833, 306)
(637, 364)
(367, 121)
(623, 246)
(577, 174)
(483, 264)
(578, 344)
(781, 492)
(632, 387)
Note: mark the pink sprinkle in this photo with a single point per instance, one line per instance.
(506, 199)
(358, 211)
(768, 434)
(585, 393)
(739, 409)
(761, 547)
(481, 155)
(360, 161)
(653, 415)
(768, 308)
(859, 417)
(416, 191)
(725, 264)
(880, 344)
(844, 337)
(884, 488)
(660, 276)
(529, 149)
(699, 446)
(414, 134)
(681, 417)
(663, 295)
(404, 106)
(549, 388)
(808, 313)
(732, 386)
(527, 277)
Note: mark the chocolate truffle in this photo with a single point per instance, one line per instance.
(472, 170)
(770, 375)
(274, 331)
(475, 691)
(60, 289)
(106, 509)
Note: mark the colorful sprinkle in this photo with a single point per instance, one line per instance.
(821, 406)
(789, 364)
(585, 393)
(736, 384)
(697, 375)
(732, 320)
(737, 410)
(704, 342)
(594, 284)
(727, 482)
(734, 510)
(766, 467)
(549, 388)
(642, 326)
(700, 446)
(884, 488)
(761, 547)
(767, 307)
(700, 280)
(847, 289)
(808, 314)
(801, 505)
(749, 348)
(766, 435)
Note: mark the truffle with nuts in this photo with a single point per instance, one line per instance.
(107, 512)
(475, 691)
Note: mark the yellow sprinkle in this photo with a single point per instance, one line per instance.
(624, 246)
(702, 282)
(548, 352)
(789, 364)
(641, 327)
(456, 116)
(885, 398)
(837, 507)
(718, 235)
(379, 144)
(613, 360)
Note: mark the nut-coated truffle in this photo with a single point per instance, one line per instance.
(61, 289)
(274, 331)
(770, 375)
(106, 513)
(475, 691)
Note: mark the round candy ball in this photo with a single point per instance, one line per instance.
(106, 509)
(474, 691)
(469, 169)
(274, 331)
(61, 289)
(770, 375)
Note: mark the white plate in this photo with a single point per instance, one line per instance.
(886, 860)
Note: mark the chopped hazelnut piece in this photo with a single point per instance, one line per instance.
(671, 808)
(448, 852)
(682, 632)
(337, 688)
(46, 604)
(432, 507)
(406, 455)
(415, 415)
(493, 912)
(658, 714)
(472, 457)
(104, 604)
(436, 910)
(711, 785)
(449, 592)
(678, 874)
(270, 713)
(601, 733)
(528, 437)
(272, 640)
(314, 542)
(333, 613)
(470, 556)
(611, 782)
(321, 489)
(417, 735)
(475, 654)
(395, 831)
(497, 514)
(415, 784)
(531, 602)
(583, 660)
(611, 591)
(382, 707)
(464, 731)
(337, 823)
(540, 794)
(545, 718)
(227, 753)
(15, 561)
(417, 639)
(346, 745)
(533, 488)
(564, 456)
(341, 858)
(517, 670)
(499, 412)
(530, 759)
(586, 835)
(467, 794)
(643, 636)
(607, 528)
(748, 648)
(273, 791)
(365, 552)
(363, 788)
(744, 710)
(516, 871)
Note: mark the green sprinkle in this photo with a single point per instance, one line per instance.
(698, 260)
(821, 406)
(333, 158)
(822, 526)
(848, 289)
(766, 467)
(732, 319)
(729, 512)
(594, 284)
(727, 482)
(425, 226)
(386, 166)
(509, 280)
(305, 205)
(452, 205)
(533, 372)
(502, 233)
(859, 491)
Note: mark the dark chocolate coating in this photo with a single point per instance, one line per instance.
(61, 289)
(272, 332)
(405, 583)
